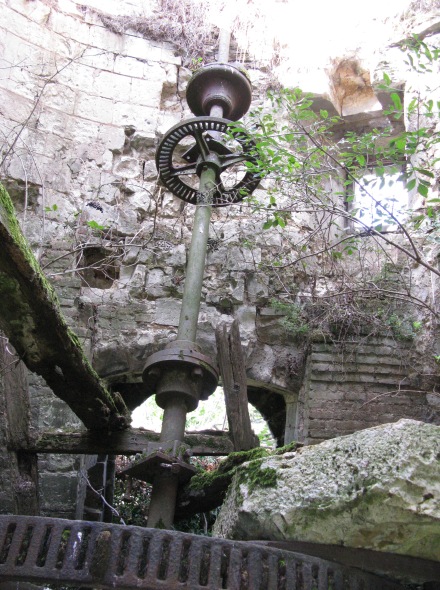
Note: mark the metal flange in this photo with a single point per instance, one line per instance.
(159, 462)
(181, 372)
(190, 146)
(222, 85)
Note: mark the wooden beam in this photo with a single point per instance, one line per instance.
(126, 442)
(233, 372)
(31, 319)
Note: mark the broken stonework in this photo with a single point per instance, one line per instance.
(376, 489)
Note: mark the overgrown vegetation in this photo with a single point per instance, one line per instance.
(183, 23)
(338, 272)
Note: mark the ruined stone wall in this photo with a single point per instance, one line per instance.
(82, 111)
(357, 384)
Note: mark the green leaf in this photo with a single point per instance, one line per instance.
(411, 184)
(323, 113)
(425, 172)
(95, 225)
(268, 224)
(386, 79)
(422, 190)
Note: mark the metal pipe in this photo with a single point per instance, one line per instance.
(192, 293)
(224, 41)
(163, 501)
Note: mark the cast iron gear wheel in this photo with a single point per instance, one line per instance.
(199, 137)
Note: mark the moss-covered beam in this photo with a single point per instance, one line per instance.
(126, 442)
(31, 319)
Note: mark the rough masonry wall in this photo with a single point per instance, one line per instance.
(357, 384)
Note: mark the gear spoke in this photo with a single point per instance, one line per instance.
(201, 143)
(183, 170)
(232, 159)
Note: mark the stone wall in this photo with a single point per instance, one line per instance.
(357, 384)
(82, 111)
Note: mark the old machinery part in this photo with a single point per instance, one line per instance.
(184, 372)
(220, 85)
(159, 462)
(101, 555)
(193, 145)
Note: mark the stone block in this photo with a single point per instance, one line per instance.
(58, 490)
(94, 108)
(103, 38)
(168, 312)
(140, 48)
(69, 27)
(239, 259)
(376, 489)
(129, 66)
(110, 85)
(142, 118)
(100, 60)
(147, 92)
(257, 288)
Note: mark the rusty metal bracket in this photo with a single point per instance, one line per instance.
(158, 462)
(102, 555)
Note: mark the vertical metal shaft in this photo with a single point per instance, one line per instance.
(165, 485)
(196, 260)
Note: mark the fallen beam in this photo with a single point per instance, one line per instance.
(126, 442)
(31, 319)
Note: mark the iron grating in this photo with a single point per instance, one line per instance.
(104, 555)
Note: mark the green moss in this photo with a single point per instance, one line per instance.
(9, 219)
(253, 475)
(289, 448)
(207, 479)
(223, 475)
(239, 457)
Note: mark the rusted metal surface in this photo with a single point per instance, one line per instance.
(186, 370)
(220, 85)
(147, 468)
(107, 556)
(179, 173)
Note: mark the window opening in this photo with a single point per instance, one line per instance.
(210, 415)
(371, 192)
(98, 268)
